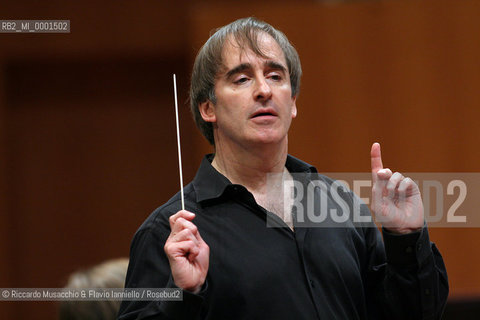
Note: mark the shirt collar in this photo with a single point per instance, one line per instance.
(211, 184)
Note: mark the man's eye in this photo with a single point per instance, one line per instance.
(241, 80)
(275, 77)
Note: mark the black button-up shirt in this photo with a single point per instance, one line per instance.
(260, 272)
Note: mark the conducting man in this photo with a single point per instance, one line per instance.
(237, 251)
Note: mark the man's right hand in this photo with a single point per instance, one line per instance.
(187, 253)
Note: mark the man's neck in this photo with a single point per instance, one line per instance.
(250, 167)
(262, 171)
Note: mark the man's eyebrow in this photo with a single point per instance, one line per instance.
(244, 66)
(275, 65)
(238, 69)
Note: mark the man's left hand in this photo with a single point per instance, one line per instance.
(396, 200)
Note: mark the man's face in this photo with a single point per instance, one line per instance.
(254, 98)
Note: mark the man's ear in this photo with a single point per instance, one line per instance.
(294, 107)
(207, 111)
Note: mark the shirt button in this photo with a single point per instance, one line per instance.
(409, 249)
(427, 292)
(419, 247)
(312, 283)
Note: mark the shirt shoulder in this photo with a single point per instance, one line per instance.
(159, 217)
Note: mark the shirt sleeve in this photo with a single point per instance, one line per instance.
(407, 278)
(149, 268)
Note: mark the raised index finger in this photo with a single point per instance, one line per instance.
(376, 160)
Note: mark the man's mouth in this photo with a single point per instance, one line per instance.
(264, 113)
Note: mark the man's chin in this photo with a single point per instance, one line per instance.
(268, 139)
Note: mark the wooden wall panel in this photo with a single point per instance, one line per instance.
(89, 138)
(90, 158)
(107, 29)
(6, 310)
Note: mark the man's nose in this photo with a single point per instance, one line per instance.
(263, 91)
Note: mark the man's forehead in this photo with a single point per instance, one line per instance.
(237, 51)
